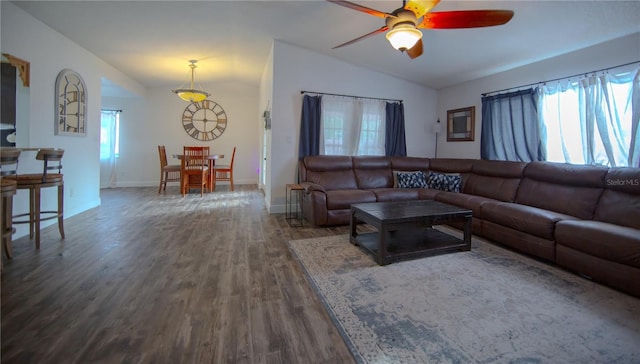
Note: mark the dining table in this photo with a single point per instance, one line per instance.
(211, 158)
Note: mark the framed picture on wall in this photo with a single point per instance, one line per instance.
(461, 124)
(71, 104)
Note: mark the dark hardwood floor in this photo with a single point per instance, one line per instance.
(158, 278)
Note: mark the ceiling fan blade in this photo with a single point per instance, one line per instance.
(381, 30)
(416, 50)
(465, 19)
(421, 7)
(364, 9)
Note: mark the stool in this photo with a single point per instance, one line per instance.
(7, 190)
(8, 170)
(293, 213)
(35, 183)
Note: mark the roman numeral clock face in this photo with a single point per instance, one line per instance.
(204, 120)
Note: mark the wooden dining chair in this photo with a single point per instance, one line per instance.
(168, 172)
(224, 172)
(195, 169)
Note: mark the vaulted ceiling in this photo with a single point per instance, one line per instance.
(152, 41)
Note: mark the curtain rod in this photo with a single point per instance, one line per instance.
(111, 110)
(356, 97)
(560, 78)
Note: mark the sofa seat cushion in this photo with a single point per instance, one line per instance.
(428, 193)
(527, 219)
(611, 242)
(471, 202)
(343, 199)
(519, 240)
(396, 194)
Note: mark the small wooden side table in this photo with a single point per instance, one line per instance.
(293, 196)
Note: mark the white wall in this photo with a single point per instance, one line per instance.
(296, 69)
(157, 120)
(153, 116)
(609, 54)
(49, 52)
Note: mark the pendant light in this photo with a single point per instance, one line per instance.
(191, 94)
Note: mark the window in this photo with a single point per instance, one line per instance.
(352, 126)
(109, 134)
(372, 132)
(589, 121)
(593, 121)
(333, 127)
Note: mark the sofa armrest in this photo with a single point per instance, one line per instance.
(314, 204)
(310, 186)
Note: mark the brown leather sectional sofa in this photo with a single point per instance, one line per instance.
(583, 218)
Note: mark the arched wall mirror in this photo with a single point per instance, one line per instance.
(71, 104)
(14, 119)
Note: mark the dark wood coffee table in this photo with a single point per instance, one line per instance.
(405, 229)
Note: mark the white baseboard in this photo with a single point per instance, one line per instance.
(155, 183)
(277, 209)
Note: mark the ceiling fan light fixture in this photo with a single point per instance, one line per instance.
(403, 36)
(191, 94)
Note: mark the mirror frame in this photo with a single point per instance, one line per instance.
(70, 104)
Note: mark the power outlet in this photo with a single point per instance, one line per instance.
(71, 192)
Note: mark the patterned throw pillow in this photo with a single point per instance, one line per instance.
(395, 177)
(444, 182)
(412, 179)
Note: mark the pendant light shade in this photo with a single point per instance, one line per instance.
(191, 94)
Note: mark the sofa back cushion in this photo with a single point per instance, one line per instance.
(409, 163)
(330, 171)
(620, 201)
(451, 165)
(495, 179)
(372, 172)
(461, 167)
(565, 188)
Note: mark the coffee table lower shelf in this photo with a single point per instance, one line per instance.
(427, 242)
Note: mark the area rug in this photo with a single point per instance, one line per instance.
(488, 305)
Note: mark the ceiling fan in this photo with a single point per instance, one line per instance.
(402, 24)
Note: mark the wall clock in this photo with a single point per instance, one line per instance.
(71, 104)
(204, 120)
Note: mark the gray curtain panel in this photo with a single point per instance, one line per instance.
(395, 143)
(510, 127)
